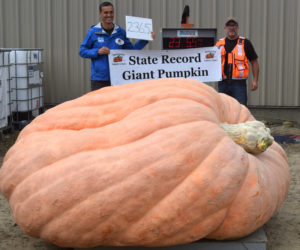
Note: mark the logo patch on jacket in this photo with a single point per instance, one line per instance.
(119, 41)
(100, 39)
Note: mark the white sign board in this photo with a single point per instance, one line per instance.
(202, 64)
(138, 28)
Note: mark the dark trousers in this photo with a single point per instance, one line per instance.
(234, 88)
(99, 84)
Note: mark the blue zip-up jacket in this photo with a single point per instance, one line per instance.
(95, 39)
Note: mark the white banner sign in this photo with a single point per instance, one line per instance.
(202, 64)
(138, 28)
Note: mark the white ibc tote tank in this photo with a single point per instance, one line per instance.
(26, 74)
(5, 103)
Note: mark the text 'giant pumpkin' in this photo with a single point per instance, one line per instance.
(141, 164)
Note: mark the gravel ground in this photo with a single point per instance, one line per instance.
(283, 229)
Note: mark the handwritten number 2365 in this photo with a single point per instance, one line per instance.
(139, 27)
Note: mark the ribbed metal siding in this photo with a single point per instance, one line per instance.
(59, 26)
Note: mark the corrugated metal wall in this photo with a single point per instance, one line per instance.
(59, 26)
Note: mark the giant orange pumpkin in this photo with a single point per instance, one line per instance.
(141, 164)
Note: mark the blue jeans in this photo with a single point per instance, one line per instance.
(234, 88)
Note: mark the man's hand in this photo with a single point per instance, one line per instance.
(103, 51)
(153, 35)
(254, 85)
(255, 72)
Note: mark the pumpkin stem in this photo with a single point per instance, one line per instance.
(253, 136)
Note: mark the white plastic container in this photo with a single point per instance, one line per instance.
(27, 99)
(26, 76)
(5, 104)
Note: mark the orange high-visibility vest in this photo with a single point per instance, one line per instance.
(237, 59)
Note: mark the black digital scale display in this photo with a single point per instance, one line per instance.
(188, 38)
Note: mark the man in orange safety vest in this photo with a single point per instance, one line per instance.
(236, 51)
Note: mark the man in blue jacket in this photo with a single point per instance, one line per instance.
(100, 39)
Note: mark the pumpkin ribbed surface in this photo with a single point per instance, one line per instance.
(141, 164)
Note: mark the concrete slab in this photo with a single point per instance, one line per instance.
(255, 241)
(279, 113)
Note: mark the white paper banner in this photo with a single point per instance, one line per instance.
(138, 28)
(202, 64)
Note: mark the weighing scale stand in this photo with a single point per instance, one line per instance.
(255, 241)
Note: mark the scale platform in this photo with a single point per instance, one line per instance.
(255, 241)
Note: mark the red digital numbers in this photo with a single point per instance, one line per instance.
(191, 42)
(184, 42)
(187, 42)
(171, 43)
(174, 42)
